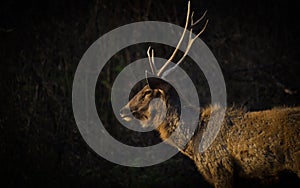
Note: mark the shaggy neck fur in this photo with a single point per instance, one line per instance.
(188, 146)
(172, 101)
(172, 122)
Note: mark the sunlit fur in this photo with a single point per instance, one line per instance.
(250, 144)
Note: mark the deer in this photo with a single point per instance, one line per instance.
(250, 144)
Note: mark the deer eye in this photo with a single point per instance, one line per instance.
(148, 92)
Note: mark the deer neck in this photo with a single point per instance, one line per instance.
(171, 121)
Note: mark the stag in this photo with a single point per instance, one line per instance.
(256, 145)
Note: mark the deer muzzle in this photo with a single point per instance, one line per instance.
(125, 113)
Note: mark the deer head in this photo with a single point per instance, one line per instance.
(153, 103)
(140, 106)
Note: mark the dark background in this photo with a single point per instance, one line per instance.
(255, 42)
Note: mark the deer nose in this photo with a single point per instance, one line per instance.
(125, 111)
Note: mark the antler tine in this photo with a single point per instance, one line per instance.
(149, 59)
(179, 43)
(153, 63)
(204, 14)
(190, 43)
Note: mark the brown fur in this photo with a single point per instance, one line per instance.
(250, 144)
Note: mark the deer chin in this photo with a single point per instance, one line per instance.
(127, 118)
(130, 117)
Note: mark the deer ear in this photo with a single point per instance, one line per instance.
(160, 93)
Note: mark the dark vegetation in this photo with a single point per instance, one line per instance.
(255, 43)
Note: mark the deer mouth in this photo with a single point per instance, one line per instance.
(125, 113)
(126, 117)
(130, 116)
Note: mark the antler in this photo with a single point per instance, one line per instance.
(162, 72)
(151, 61)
